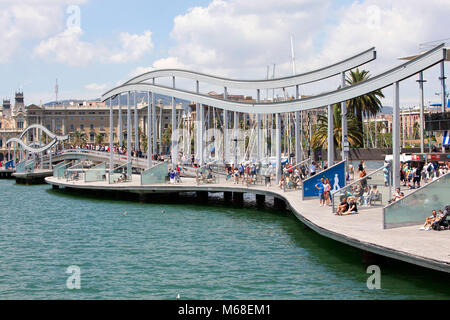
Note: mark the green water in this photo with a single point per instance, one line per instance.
(197, 251)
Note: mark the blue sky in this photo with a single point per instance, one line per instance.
(235, 38)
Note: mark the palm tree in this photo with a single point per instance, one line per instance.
(99, 139)
(368, 104)
(320, 135)
(78, 138)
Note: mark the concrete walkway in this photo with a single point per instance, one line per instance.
(430, 249)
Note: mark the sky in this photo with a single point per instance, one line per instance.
(91, 46)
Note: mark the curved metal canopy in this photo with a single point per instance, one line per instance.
(308, 77)
(399, 73)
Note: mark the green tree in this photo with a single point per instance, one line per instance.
(365, 105)
(320, 135)
(78, 138)
(99, 139)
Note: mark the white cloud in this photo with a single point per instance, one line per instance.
(165, 63)
(29, 19)
(67, 47)
(134, 46)
(240, 38)
(96, 87)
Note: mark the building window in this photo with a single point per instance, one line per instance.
(92, 137)
(91, 118)
(58, 127)
(102, 118)
(102, 127)
(72, 127)
(71, 118)
(81, 126)
(1, 143)
(92, 127)
(81, 118)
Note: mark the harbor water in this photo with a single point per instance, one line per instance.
(130, 250)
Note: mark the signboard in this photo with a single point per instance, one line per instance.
(336, 175)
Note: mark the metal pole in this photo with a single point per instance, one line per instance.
(120, 135)
(421, 126)
(174, 130)
(396, 138)
(298, 148)
(278, 155)
(149, 132)
(128, 128)
(111, 136)
(136, 126)
(225, 135)
(344, 124)
(154, 135)
(235, 133)
(442, 78)
(258, 127)
(330, 136)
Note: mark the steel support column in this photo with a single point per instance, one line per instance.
(421, 126)
(128, 128)
(298, 147)
(344, 144)
(120, 135)
(330, 148)
(396, 138)
(149, 132)
(278, 155)
(111, 136)
(258, 128)
(442, 78)
(136, 126)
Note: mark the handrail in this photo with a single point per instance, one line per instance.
(418, 189)
(360, 179)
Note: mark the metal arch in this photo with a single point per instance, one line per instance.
(284, 82)
(31, 149)
(399, 73)
(47, 132)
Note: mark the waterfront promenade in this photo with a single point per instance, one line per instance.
(364, 230)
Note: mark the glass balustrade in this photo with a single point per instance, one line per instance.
(97, 173)
(29, 166)
(58, 170)
(120, 174)
(75, 172)
(374, 189)
(417, 206)
(20, 167)
(156, 174)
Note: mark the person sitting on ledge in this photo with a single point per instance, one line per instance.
(429, 221)
(353, 208)
(342, 207)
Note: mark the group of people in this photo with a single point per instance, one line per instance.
(437, 220)
(364, 194)
(244, 173)
(175, 175)
(412, 174)
(346, 208)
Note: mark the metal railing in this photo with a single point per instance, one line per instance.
(75, 172)
(371, 190)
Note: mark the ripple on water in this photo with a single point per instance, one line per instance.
(199, 252)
